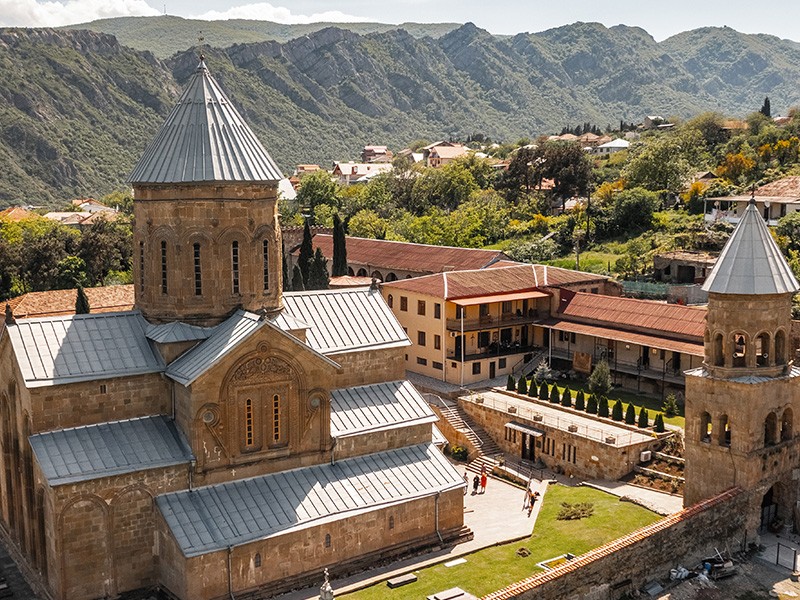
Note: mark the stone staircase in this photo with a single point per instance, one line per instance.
(529, 366)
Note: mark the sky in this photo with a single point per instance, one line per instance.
(661, 19)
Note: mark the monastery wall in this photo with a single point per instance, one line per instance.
(369, 366)
(379, 441)
(301, 556)
(625, 564)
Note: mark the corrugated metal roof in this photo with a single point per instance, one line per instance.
(287, 322)
(177, 332)
(83, 453)
(57, 350)
(230, 514)
(345, 320)
(751, 262)
(204, 139)
(379, 406)
(227, 335)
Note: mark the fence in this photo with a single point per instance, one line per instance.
(786, 556)
(645, 289)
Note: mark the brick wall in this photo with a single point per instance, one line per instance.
(627, 563)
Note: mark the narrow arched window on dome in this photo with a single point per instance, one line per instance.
(739, 350)
(719, 355)
(265, 257)
(235, 266)
(762, 350)
(198, 281)
(163, 267)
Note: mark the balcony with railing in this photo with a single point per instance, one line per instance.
(493, 321)
(495, 350)
(666, 372)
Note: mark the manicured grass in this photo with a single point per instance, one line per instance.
(493, 568)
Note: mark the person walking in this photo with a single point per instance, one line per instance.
(476, 481)
(466, 483)
(483, 482)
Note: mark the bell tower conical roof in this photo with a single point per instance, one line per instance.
(751, 262)
(204, 139)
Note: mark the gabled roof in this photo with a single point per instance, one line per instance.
(105, 449)
(405, 256)
(110, 298)
(377, 407)
(169, 333)
(229, 514)
(485, 282)
(57, 350)
(16, 214)
(204, 139)
(345, 320)
(751, 262)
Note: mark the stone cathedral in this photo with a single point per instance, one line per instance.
(740, 404)
(222, 438)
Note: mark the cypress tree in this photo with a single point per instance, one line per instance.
(630, 415)
(566, 397)
(644, 421)
(287, 281)
(81, 302)
(511, 385)
(522, 385)
(616, 412)
(306, 256)
(602, 407)
(297, 280)
(544, 391)
(318, 274)
(339, 266)
(659, 423)
(580, 401)
(555, 397)
(533, 388)
(591, 405)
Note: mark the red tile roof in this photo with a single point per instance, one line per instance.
(16, 213)
(786, 187)
(110, 298)
(405, 256)
(485, 282)
(672, 319)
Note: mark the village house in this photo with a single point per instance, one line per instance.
(348, 173)
(220, 438)
(439, 154)
(611, 147)
(773, 201)
(682, 266)
(376, 154)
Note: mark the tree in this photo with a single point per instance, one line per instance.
(106, 246)
(670, 406)
(511, 384)
(566, 398)
(659, 164)
(339, 267)
(658, 425)
(600, 380)
(317, 188)
(644, 420)
(630, 415)
(580, 401)
(318, 273)
(71, 273)
(297, 280)
(602, 407)
(616, 412)
(287, 282)
(632, 212)
(591, 405)
(306, 256)
(544, 391)
(81, 302)
(765, 108)
(533, 388)
(522, 385)
(789, 229)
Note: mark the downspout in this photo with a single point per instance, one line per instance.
(463, 343)
(230, 576)
(550, 348)
(172, 397)
(436, 501)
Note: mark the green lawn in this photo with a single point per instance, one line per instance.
(493, 568)
(652, 404)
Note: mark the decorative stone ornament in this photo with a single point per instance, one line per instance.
(326, 591)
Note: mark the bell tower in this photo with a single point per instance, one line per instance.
(206, 233)
(740, 404)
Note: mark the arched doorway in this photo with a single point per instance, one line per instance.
(769, 507)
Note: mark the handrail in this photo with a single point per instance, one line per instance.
(450, 410)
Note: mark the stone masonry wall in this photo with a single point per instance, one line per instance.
(379, 441)
(369, 366)
(625, 564)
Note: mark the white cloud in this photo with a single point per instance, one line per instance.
(263, 11)
(30, 13)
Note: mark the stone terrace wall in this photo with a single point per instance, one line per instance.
(625, 564)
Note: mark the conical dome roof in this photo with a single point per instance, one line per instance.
(751, 263)
(204, 139)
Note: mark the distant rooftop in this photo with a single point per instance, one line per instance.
(110, 298)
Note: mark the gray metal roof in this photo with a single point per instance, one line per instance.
(751, 262)
(204, 139)
(379, 406)
(287, 322)
(177, 332)
(227, 335)
(83, 453)
(56, 350)
(346, 320)
(230, 514)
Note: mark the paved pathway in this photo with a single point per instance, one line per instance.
(659, 502)
(494, 517)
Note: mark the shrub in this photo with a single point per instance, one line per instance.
(591, 405)
(543, 371)
(658, 425)
(616, 412)
(544, 391)
(459, 452)
(533, 388)
(602, 407)
(511, 385)
(566, 398)
(522, 385)
(644, 420)
(670, 406)
(573, 512)
(630, 415)
(600, 380)
(580, 401)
